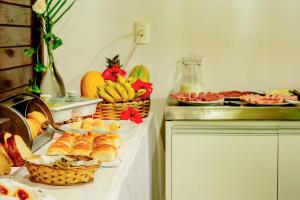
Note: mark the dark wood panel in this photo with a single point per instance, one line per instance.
(14, 15)
(20, 2)
(12, 57)
(14, 36)
(14, 91)
(16, 77)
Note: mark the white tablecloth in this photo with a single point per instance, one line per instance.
(132, 180)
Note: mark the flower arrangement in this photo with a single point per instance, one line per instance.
(49, 12)
(132, 115)
(125, 95)
(118, 88)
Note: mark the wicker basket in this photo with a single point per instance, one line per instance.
(112, 111)
(57, 175)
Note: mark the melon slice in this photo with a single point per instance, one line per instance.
(18, 150)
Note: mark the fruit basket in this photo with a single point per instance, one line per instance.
(118, 92)
(113, 111)
(55, 173)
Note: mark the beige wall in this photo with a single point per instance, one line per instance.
(246, 44)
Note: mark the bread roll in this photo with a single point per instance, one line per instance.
(58, 149)
(88, 121)
(99, 123)
(35, 127)
(99, 140)
(70, 134)
(81, 149)
(104, 153)
(110, 138)
(70, 139)
(40, 117)
(87, 124)
(64, 142)
(82, 141)
(114, 126)
(90, 134)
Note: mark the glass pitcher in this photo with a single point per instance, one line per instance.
(188, 76)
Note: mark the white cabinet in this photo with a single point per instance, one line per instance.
(224, 167)
(289, 164)
(230, 161)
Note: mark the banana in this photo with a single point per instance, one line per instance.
(122, 91)
(130, 80)
(129, 89)
(110, 83)
(103, 94)
(140, 92)
(113, 92)
(121, 79)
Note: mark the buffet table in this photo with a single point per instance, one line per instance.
(131, 178)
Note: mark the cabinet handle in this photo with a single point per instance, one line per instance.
(224, 131)
(289, 131)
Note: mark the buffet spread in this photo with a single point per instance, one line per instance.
(72, 159)
(65, 141)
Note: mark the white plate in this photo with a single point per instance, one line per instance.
(269, 104)
(75, 127)
(35, 193)
(202, 103)
(293, 102)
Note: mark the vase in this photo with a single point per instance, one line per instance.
(52, 82)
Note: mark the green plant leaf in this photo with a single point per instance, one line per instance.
(29, 52)
(39, 67)
(54, 7)
(58, 9)
(49, 2)
(70, 6)
(57, 42)
(34, 89)
(48, 37)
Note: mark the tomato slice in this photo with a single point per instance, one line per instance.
(3, 190)
(22, 194)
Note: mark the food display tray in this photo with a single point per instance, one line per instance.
(233, 111)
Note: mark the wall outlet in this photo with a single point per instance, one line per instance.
(141, 32)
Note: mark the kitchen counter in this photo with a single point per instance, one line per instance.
(175, 111)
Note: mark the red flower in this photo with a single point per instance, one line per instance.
(143, 85)
(113, 72)
(132, 115)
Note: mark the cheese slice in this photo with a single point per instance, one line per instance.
(5, 155)
(5, 167)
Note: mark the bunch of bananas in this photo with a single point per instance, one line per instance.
(119, 91)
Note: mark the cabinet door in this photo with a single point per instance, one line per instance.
(224, 166)
(289, 165)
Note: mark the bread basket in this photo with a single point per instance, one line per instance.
(59, 175)
(112, 111)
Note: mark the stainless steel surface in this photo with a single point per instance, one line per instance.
(17, 124)
(16, 108)
(47, 125)
(174, 112)
(37, 104)
(4, 125)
